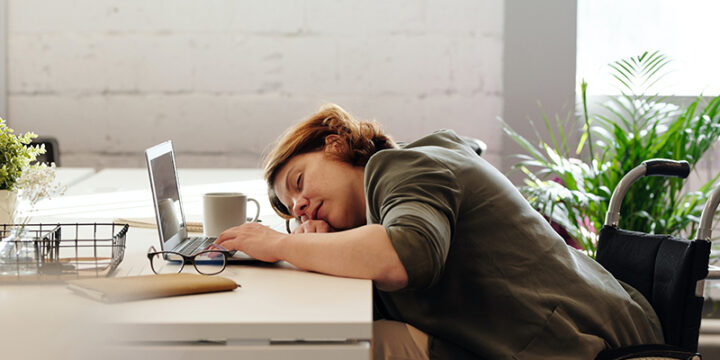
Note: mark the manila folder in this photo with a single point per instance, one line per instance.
(131, 288)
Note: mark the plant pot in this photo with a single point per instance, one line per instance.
(8, 205)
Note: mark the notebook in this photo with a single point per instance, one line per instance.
(170, 217)
(132, 288)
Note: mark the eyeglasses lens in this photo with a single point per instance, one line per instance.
(210, 262)
(166, 263)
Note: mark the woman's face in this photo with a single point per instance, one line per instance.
(314, 186)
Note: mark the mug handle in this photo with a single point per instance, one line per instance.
(257, 205)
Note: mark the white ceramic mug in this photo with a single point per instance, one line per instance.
(222, 211)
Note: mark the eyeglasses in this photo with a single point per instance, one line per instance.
(291, 224)
(207, 262)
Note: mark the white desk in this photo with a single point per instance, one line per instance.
(279, 312)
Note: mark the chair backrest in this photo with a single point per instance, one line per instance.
(666, 270)
(478, 145)
(52, 150)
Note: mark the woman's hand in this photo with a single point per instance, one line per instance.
(313, 226)
(256, 240)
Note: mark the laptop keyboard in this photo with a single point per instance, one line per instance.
(195, 244)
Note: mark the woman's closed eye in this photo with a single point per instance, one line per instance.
(299, 182)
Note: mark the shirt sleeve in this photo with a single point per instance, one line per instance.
(416, 198)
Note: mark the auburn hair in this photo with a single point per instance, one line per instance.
(359, 141)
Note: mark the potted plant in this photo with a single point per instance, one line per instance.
(17, 154)
(571, 178)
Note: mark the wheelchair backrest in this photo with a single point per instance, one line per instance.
(665, 269)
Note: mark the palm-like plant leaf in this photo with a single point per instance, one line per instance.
(635, 126)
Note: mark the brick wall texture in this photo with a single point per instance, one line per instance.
(224, 78)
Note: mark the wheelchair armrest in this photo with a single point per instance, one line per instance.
(713, 272)
(654, 351)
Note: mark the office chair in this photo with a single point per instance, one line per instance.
(668, 270)
(478, 145)
(52, 150)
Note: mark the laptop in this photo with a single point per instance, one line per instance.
(169, 213)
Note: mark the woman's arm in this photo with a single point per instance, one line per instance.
(364, 252)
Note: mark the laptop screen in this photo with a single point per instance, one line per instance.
(164, 184)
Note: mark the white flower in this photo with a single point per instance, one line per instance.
(37, 183)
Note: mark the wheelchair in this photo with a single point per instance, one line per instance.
(668, 270)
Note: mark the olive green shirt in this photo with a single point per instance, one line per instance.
(487, 275)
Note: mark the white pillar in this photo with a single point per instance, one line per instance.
(539, 66)
(3, 58)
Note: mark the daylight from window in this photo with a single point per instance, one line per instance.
(685, 31)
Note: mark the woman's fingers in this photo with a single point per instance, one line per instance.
(224, 236)
(313, 226)
(227, 235)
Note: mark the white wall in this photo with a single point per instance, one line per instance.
(223, 78)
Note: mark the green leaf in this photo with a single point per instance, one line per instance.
(16, 155)
(633, 127)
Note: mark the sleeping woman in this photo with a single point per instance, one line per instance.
(463, 267)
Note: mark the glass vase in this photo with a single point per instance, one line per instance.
(19, 253)
(8, 206)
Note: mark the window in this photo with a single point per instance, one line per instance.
(686, 32)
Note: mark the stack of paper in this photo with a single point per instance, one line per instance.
(149, 223)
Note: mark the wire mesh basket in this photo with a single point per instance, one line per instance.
(59, 252)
